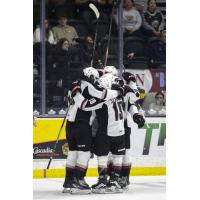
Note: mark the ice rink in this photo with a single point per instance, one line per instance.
(141, 188)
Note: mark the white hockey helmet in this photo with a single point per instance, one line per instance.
(91, 72)
(111, 69)
(106, 81)
(114, 79)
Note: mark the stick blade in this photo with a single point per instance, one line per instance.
(94, 8)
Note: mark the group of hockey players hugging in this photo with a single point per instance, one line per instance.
(111, 101)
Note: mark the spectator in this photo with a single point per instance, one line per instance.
(63, 30)
(132, 20)
(84, 50)
(156, 50)
(49, 35)
(37, 54)
(140, 5)
(153, 21)
(130, 52)
(158, 107)
(61, 58)
(58, 7)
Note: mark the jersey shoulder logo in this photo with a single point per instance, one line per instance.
(92, 101)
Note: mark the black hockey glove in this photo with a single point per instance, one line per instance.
(123, 90)
(75, 87)
(90, 79)
(136, 92)
(128, 77)
(100, 73)
(118, 88)
(119, 82)
(127, 89)
(139, 120)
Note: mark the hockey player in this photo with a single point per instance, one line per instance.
(132, 114)
(110, 135)
(111, 70)
(109, 138)
(78, 131)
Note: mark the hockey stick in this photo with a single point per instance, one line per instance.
(115, 4)
(63, 122)
(95, 10)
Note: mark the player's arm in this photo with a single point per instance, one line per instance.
(88, 104)
(131, 81)
(132, 97)
(101, 93)
(137, 117)
(81, 102)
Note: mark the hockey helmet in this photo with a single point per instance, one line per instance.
(91, 73)
(111, 69)
(106, 81)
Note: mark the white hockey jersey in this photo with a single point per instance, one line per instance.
(110, 114)
(76, 113)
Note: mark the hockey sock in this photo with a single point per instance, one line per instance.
(126, 170)
(126, 164)
(69, 173)
(102, 171)
(102, 165)
(116, 172)
(82, 163)
(80, 172)
(117, 166)
(70, 164)
(110, 169)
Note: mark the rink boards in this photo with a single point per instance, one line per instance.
(147, 149)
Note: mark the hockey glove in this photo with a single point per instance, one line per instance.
(118, 88)
(127, 89)
(119, 82)
(90, 79)
(128, 77)
(75, 87)
(136, 92)
(139, 120)
(100, 73)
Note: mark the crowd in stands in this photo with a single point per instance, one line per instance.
(69, 34)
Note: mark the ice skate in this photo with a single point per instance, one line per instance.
(80, 187)
(100, 186)
(124, 182)
(67, 185)
(114, 186)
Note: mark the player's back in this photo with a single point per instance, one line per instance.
(77, 114)
(115, 117)
(111, 117)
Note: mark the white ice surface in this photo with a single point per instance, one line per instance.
(141, 188)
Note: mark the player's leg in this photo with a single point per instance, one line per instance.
(71, 158)
(84, 144)
(117, 149)
(101, 145)
(126, 163)
(110, 165)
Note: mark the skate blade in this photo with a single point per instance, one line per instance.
(113, 190)
(78, 191)
(125, 189)
(66, 190)
(97, 191)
